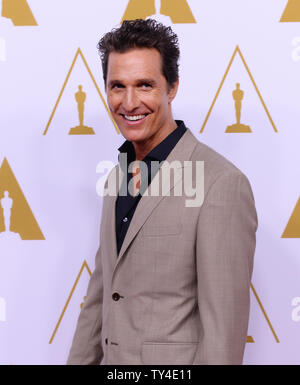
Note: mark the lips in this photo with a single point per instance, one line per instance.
(134, 119)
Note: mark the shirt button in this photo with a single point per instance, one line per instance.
(125, 219)
(116, 296)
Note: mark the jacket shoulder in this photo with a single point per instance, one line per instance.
(214, 163)
(217, 168)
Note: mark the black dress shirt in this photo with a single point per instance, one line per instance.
(126, 204)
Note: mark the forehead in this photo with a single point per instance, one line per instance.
(136, 63)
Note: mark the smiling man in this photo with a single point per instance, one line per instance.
(171, 283)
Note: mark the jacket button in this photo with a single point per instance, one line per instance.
(116, 296)
(106, 341)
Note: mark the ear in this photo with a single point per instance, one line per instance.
(173, 91)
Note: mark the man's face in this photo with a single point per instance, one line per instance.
(138, 96)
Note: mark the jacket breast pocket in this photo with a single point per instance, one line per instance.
(169, 353)
(161, 230)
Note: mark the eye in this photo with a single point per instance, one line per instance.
(146, 85)
(117, 86)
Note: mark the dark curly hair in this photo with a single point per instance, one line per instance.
(141, 33)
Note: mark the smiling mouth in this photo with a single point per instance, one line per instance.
(134, 118)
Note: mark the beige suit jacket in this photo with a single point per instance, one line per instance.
(179, 291)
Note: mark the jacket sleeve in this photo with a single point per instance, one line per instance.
(86, 347)
(224, 256)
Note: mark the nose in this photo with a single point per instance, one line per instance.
(130, 101)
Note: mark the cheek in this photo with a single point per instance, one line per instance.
(113, 102)
(163, 106)
(153, 102)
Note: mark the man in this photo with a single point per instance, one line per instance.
(172, 282)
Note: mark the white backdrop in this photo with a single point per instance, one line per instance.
(51, 176)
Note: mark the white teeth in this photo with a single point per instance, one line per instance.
(136, 117)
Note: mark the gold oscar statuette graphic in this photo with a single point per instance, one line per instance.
(158, 15)
(80, 97)
(19, 12)
(177, 10)
(292, 229)
(238, 96)
(291, 12)
(84, 266)
(6, 203)
(16, 218)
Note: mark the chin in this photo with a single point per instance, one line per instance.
(134, 134)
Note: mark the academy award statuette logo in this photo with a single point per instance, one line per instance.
(164, 11)
(291, 12)
(238, 96)
(292, 229)
(17, 220)
(158, 15)
(80, 98)
(6, 204)
(19, 12)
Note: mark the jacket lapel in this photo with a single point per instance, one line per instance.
(109, 212)
(182, 151)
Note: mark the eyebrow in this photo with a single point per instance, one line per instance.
(113, 82)
(149, 81)
(138, 81)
